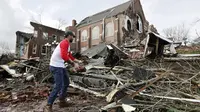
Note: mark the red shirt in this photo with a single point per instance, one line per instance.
(65, 50)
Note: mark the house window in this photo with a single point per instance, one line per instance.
(34, 50)
(35, 33)
(95, 33)
(139, 24)
(45, 35)
(109, 30)
(44, 50)
(84, 36)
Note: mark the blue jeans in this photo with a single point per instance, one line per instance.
(61, 80)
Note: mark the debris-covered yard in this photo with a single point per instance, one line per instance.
(112, 82)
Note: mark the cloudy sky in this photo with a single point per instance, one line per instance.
(16, 14)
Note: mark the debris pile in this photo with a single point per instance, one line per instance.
(142, 85)
(158, 85)
(6, 58)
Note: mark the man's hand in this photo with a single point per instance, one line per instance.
(70, 62)
(76, 66)
(78, 61)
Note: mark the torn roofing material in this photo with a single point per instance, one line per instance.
(119, 52)
(34, 24)
(26, 35)
(163, 40)
(106, 13)
(99, 50)
(12, 72)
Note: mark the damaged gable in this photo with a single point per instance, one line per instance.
(104, 14)
(123, 25)
(21, 40)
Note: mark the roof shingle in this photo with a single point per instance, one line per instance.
(104, 14)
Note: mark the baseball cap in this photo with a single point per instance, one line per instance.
(69, 33)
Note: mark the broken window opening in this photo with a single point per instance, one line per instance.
(129, 25)
(34, 50)
(35, 33)
(44, 50)
(45, 35)
(139, 24)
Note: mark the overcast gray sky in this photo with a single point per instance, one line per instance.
(16, 14)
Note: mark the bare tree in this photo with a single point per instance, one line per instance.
(197, 39)
(4, 48)
(61, 23)
(178, 33)
(39, 19)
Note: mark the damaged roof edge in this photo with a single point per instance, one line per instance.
(161, 37)
(34, 24)
(106, 13)
(82, 25)
(27, 35)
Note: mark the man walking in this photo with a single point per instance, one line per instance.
(61, 55)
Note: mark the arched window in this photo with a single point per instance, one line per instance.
(95, 33)
(84, 35)
(139, 24)
(129, 25)
(109, 30)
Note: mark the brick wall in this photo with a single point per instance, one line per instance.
(93, 42)
(40, 41)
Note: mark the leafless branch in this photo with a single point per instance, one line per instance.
(178, 33)
(197, 33)
(4, 48)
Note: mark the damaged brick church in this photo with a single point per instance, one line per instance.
(124, 25)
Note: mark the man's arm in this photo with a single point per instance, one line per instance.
(64, 52)
(71, 57)
(74, 59)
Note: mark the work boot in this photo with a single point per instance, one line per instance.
(48, 108)
(63, 104)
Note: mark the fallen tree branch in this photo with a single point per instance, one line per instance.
(141, 89)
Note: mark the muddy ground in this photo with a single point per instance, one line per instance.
(32, 99)
(37, 106)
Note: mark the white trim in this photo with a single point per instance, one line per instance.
(45, 35)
